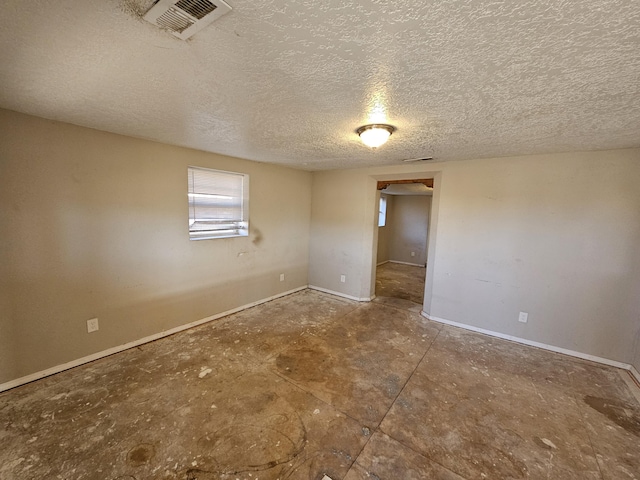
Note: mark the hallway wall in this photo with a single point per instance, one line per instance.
(409, 222)
(384, 233)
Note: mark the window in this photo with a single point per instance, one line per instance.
(382, 212)
(218, 204)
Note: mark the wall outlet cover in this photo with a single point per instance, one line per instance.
(282, 277)
(523, 317)
(343, 278)
(92, 325)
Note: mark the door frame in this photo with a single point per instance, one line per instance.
(432, 235)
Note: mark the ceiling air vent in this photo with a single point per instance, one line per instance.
(425, 159)
(183, 18)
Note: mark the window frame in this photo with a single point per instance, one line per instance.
(239, 226)
(382, 211)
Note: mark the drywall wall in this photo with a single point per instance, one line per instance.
(384, 234)
(409, 220)
(95, 225)
(337, 245)
(634, 309)
(7, 340)
(552, 235)
(635, 360)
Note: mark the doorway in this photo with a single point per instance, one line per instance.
(402, 241)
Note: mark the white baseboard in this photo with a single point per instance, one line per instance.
(382, 263)
(408, 263)
(531, 343)
(110, 351)
(635, 373)
(343, 295)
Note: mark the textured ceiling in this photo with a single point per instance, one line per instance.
(288, 82)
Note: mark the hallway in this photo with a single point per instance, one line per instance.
(397, 280)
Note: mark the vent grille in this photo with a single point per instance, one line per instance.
(196, 8)
(183, 18)
(425, 159)
(173, 20)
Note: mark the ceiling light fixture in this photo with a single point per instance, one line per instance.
(375, 134)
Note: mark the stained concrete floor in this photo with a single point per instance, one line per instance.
(400, 282)
(311, 385)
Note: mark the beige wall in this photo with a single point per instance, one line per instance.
(409, 220)
(95, 225)
(7, 340)
(384, 234)
(635, 361)
(337, 245)
(554, 235)
(634, 309)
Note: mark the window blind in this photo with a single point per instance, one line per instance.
(218, 204)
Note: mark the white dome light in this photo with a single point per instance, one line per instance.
(375, 135)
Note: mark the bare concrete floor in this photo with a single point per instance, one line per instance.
(311, 385)
(399, 284)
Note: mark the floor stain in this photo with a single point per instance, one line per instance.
(304, 364)
(141, 454)
(246, 448)
(621, 414)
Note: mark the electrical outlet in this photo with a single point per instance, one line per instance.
(282, 277)
(413, 254)
(92, 325)
(523, 317)
(343, 278)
